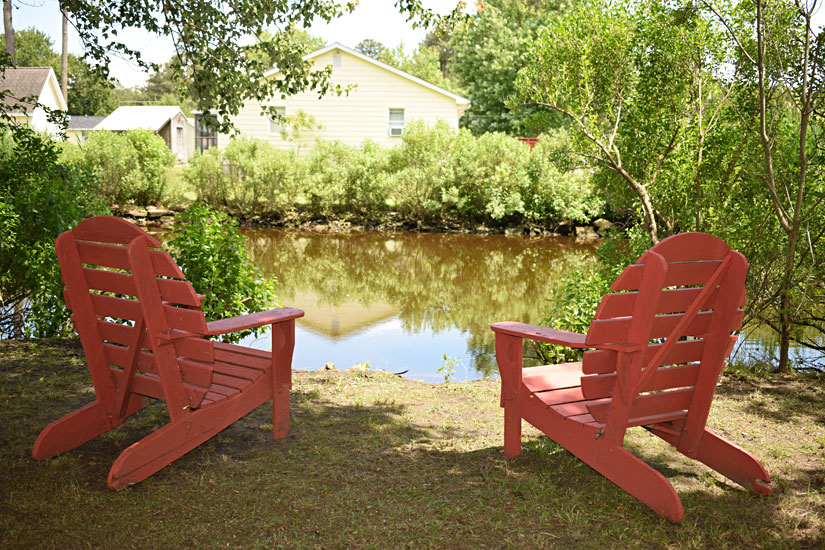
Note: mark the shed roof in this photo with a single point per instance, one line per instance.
(84, 122)
(23, 82)
(153, 117)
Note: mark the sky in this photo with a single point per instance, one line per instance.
(376, 19)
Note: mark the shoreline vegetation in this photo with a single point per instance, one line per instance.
(164, 217)
(435, 450)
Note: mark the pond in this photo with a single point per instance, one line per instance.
(402, 301)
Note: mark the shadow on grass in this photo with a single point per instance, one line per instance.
(374, 462)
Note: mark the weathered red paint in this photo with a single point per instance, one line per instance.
(626, 380)
(162, 354)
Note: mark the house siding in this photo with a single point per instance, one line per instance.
(353, 118)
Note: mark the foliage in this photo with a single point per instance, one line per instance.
(344, 180)
(39, 198)
(209, 249)
(488, 51)
(448, 367)
(132, 165)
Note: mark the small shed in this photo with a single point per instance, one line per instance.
(167, 121)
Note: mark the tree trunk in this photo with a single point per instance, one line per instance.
(64, 59)
(8, 29)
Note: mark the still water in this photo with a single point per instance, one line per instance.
(402, 301)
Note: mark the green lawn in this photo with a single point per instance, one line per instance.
(377, 461)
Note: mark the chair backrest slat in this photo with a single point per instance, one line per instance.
(610, 331)
(649, 405)
(678, 274)
(603, 361)
(114, 257)
(676, 376)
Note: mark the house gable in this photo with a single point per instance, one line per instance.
(375, 90)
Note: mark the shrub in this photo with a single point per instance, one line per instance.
(39, 198)
(132, 165)
(345, 180)
(211, 252)
(250, 177)
(206, 176)
(423, 169)
(560, 190)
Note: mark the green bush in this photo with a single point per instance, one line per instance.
(211, 252)
(342, 180)
(40, 197)
(206, 176)
(560, 190)
(132, 165)
(434, 174)
(249, 177)
(422, 169)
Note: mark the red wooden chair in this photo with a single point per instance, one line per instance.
(114, 272)
(657, 346)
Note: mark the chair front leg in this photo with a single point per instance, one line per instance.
(509, 359)
(283, 343)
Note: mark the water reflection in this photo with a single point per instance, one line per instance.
(402, 300)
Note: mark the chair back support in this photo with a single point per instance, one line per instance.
(140, 322)
(664, 336)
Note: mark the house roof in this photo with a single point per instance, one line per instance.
(153, 117)
(337, 46)
(84, 122)
(24, 82)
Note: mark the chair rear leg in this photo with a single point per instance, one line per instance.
(733, 462)
(78, 427)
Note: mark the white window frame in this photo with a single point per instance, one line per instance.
(276, 125)
(394, 124)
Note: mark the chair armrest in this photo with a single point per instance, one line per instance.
(542, 334)
(253, 320)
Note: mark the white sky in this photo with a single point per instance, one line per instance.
(376, 19)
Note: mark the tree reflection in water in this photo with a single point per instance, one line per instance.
(428, 288)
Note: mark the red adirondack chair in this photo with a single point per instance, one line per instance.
(113, 272)
(657, 346)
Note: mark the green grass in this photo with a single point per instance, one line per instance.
(377, 461)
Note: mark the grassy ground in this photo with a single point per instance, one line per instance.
(376, 461)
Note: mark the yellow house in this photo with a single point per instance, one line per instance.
(381, 102)
(32, 82)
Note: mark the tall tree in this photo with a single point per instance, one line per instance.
(64, 58)
(8, 28)
(91, 92)
(782, 98)
(371, 48)
(489, 50)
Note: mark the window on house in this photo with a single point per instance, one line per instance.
(336, 61)
(396, 122)
(276, 124)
